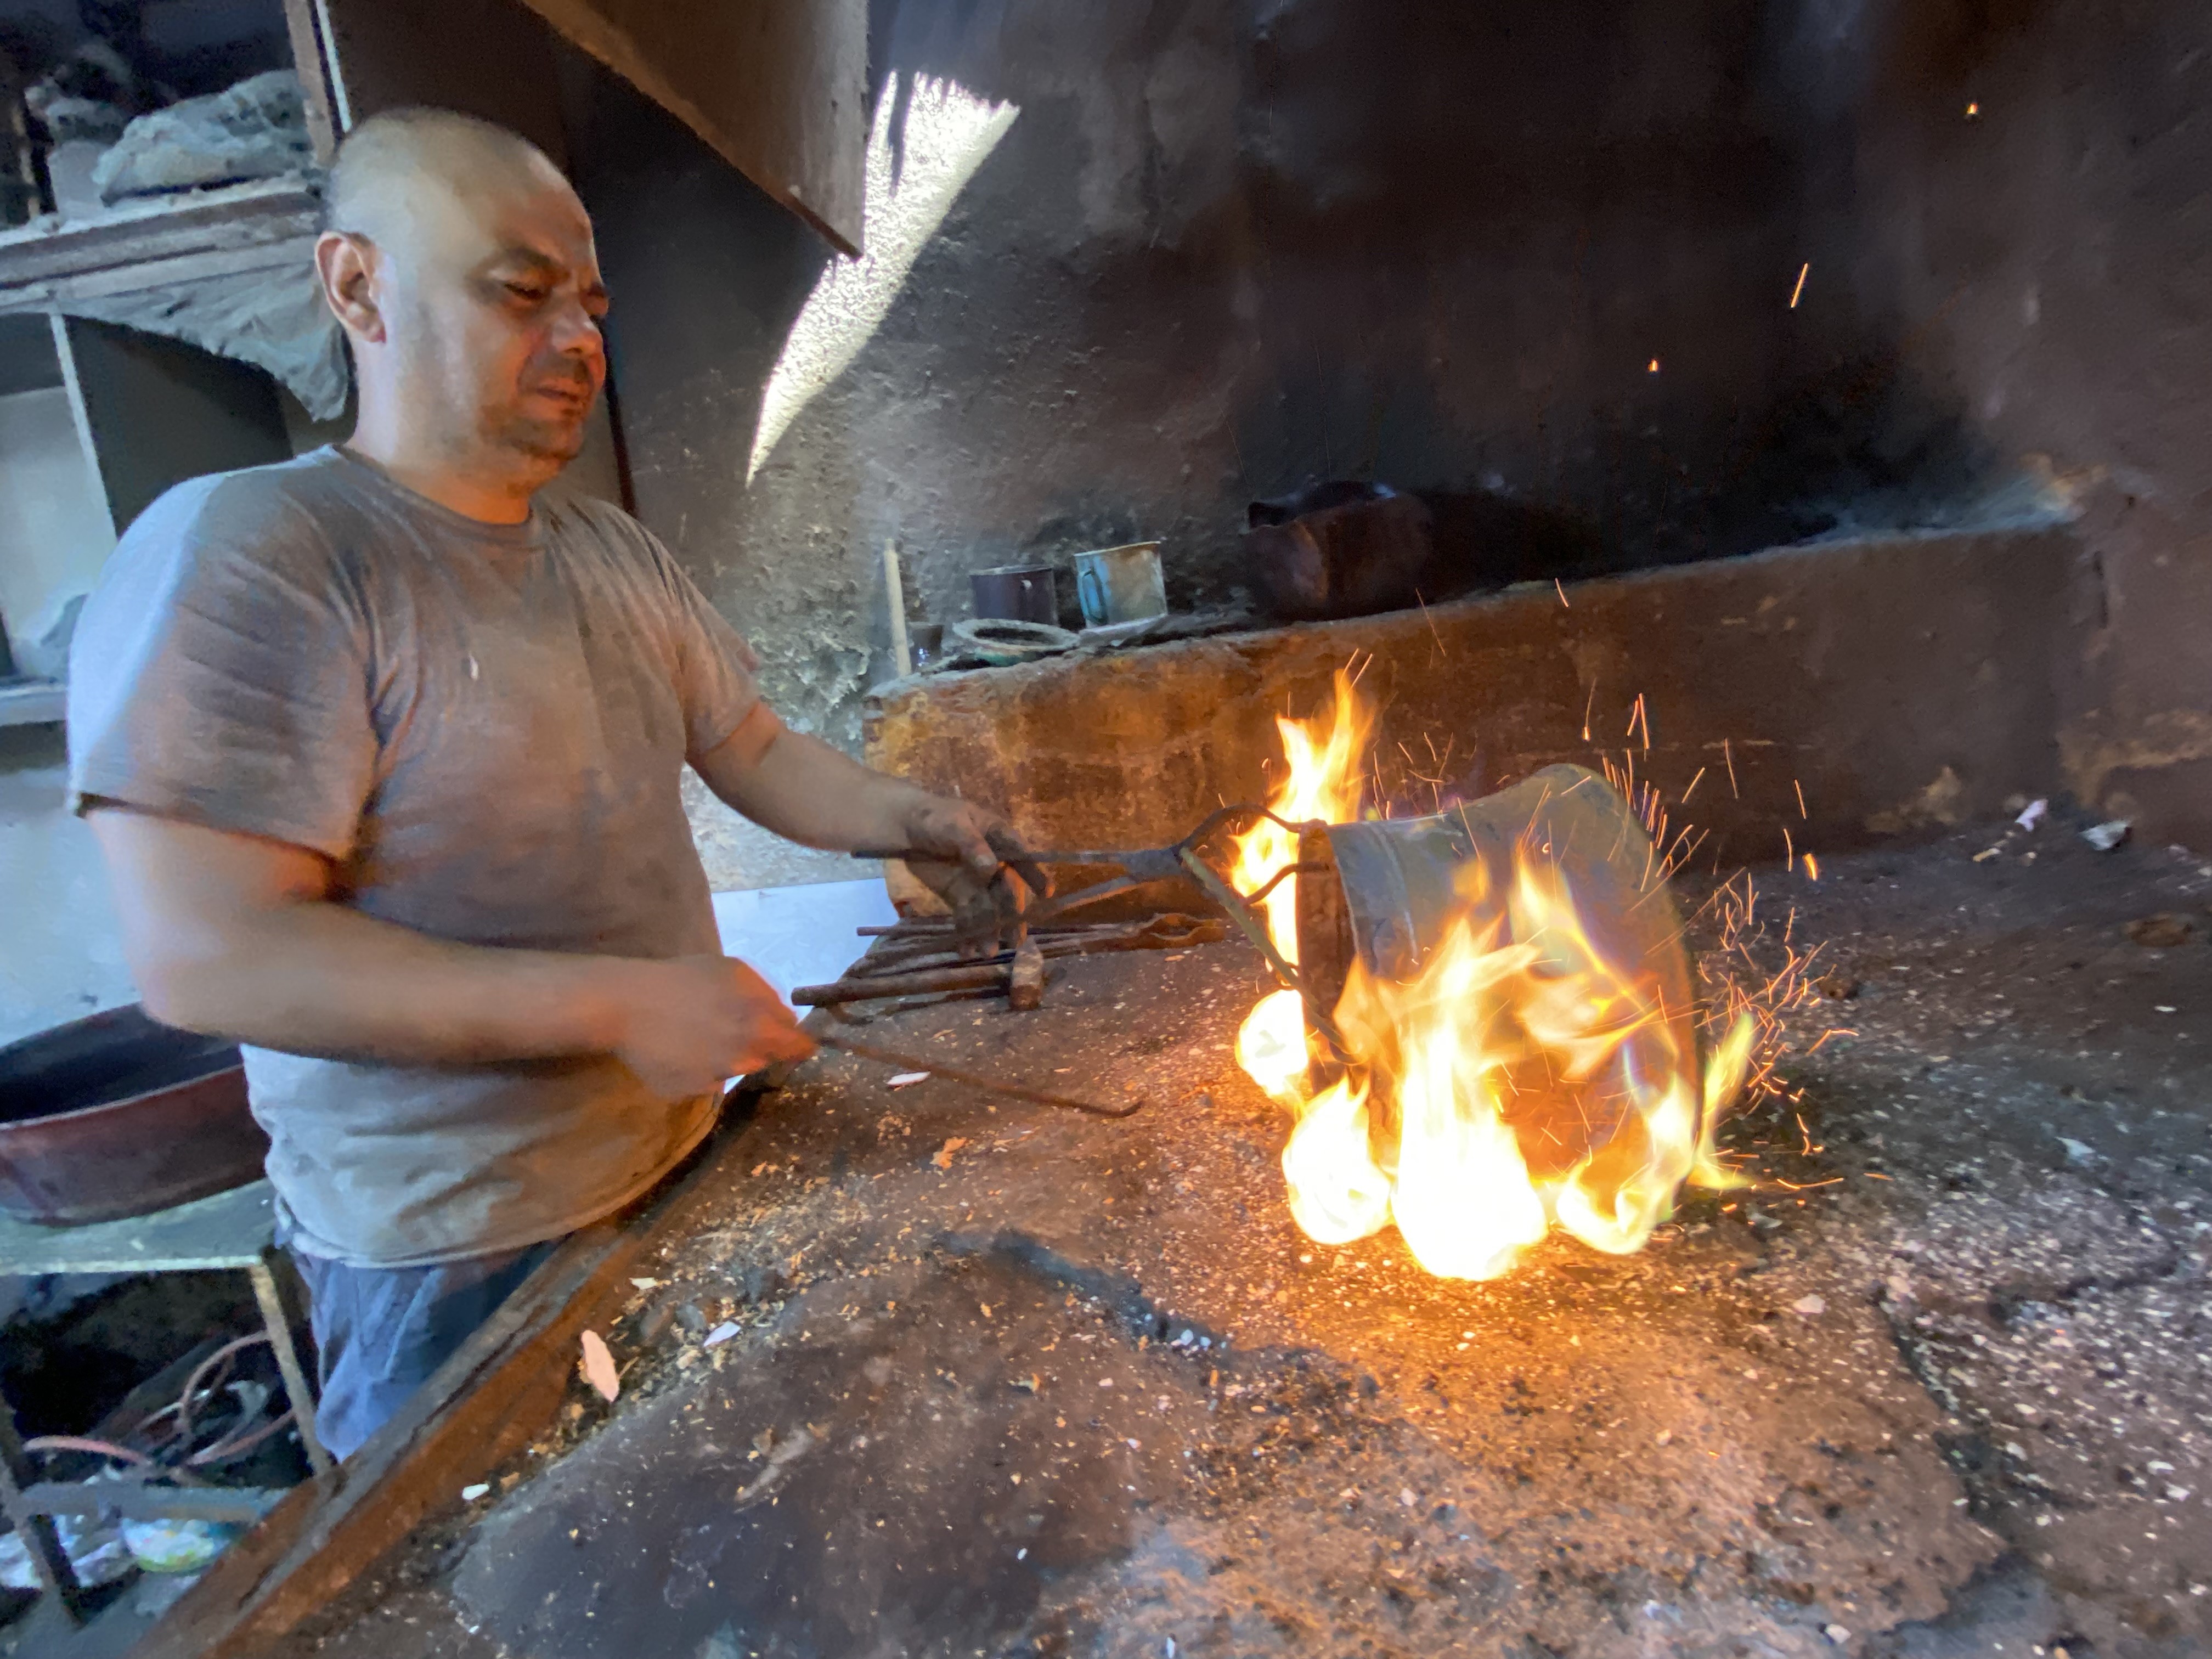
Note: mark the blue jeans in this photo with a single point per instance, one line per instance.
(379, 1331)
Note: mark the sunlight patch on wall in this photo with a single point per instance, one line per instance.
(949, 131)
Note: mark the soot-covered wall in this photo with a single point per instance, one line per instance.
(1228, 246)
(1224, 246)
(2045, 265)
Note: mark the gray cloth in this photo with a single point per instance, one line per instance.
(485, 728)
(379, 1331)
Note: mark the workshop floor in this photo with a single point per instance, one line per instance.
(1012, 1381)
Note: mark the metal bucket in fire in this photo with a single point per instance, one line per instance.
(1384, 893)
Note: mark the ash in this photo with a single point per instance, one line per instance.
(1011, 1381)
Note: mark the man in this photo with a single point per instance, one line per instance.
(383, 755)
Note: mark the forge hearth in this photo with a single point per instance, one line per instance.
(1018, 1382)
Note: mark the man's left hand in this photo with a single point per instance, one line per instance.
(985, 874)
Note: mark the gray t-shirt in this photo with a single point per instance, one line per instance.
(484, 727)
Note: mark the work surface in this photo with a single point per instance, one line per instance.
(1009, 1380)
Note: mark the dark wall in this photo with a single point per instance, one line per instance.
(2046, 265)
(1228, 246)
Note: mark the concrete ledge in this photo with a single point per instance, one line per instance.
(1904, 681)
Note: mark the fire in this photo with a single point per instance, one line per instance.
(1520, 1079)
(1325, 756)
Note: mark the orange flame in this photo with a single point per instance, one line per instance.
(1325, 756)
(1519, 1080)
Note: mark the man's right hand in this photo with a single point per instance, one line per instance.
(690, 1024)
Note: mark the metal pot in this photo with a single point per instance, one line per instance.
(1390, 890)
(1016, 593)
(115, 1115)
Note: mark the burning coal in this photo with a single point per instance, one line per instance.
(1529, 1070)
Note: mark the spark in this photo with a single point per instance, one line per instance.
(1432, 622)
(1588, 703)
(1693, 789)
(1562, 586)
(1635, 713)
(1689, 852)
(1654, 369)
(1810, 1186)
(1798, 292)
(1800, 788)
(1973, 110)
(1812, 867)
(1729, 756)
(1788, 852)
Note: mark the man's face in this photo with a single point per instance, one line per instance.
(498, 323)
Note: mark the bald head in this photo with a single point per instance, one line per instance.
(392, 168)
(460, 263)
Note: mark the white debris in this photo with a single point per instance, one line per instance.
(598, 1367)
(1405, 1496)
(2078, 1151)
(721, 1334)
(469, 1494)
(1812, 1307)
(908, 1079)
(1836, 1634)
(2034, 815)
(645, 1283)
(2106, 836)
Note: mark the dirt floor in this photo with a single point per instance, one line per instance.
(1010, 1381)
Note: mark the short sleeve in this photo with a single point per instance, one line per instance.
(715, 667)
(219, 673)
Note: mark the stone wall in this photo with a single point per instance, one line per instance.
(2043, 265)
(1544, 256)
(1541, 254)
(1836, 694)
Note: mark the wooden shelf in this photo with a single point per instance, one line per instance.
(27, 702)
(151, 243)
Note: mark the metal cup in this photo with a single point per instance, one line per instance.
(1016, 593)
(1121, 584)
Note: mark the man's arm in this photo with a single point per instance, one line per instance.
(237, 937)
(807, 792)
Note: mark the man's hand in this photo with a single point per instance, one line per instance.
(799, 786)
(690, 1024)
(977, 876)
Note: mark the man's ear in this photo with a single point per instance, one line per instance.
(346, 264)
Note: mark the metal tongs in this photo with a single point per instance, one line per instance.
(1179, 860)
(1176, 861)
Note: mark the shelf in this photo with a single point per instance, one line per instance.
(160, 241)
(26, 702)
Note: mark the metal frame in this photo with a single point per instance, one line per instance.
(234, 1230)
